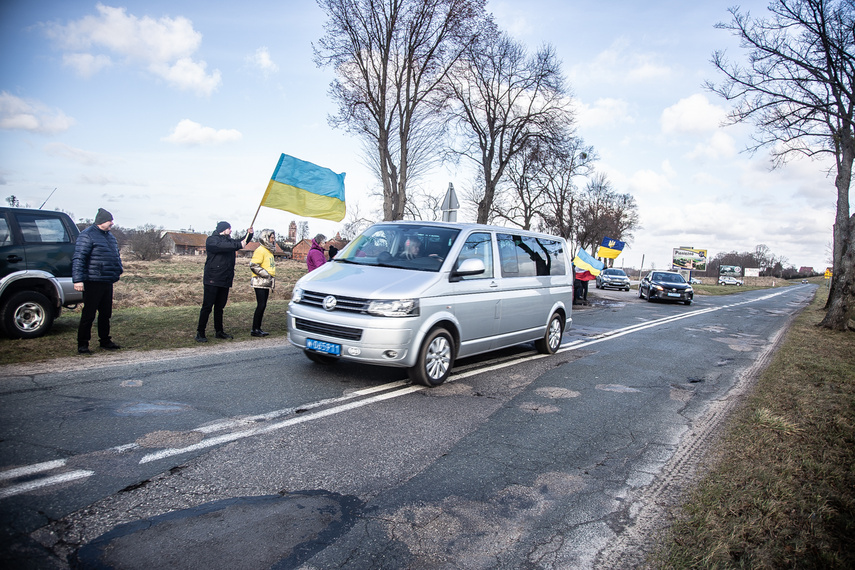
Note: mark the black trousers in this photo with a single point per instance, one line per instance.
(97, 296)
(261, 296)
(213, 298)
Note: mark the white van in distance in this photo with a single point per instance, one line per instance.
(419, 295)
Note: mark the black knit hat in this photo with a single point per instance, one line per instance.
(103, 216)
(223, 226)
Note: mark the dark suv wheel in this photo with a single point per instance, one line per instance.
(27, 314)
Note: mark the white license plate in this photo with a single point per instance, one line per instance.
(673, 294)
(325, 347)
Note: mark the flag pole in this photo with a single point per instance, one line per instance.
(252, 224)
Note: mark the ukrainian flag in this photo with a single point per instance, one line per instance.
(305, 189)
(610, 248)
(583, 260)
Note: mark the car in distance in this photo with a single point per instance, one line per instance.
(726, 280)
(418, 295)
(666, 286)
(694, 281)
(612, 277)
(36, 247)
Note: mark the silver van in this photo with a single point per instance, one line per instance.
(419, 295)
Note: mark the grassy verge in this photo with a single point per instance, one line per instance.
(782, 492)
(156, 306)
(149, 328)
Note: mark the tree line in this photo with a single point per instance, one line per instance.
(420, 81)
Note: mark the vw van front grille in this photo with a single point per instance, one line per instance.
(352, 304)
(325, 329)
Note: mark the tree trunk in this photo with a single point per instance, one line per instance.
(841, 295)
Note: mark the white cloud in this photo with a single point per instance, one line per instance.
(262, 61)
(33, 116)
(86, 64)
(75, 154)
(164, 47)
(621, 63)
(720, 145)
(692, 115)
(191, 133)
(605, 112)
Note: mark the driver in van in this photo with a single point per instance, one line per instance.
(412, 247)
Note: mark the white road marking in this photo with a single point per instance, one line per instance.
(46, 482)
(392, 390)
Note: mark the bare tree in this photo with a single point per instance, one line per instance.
(559, 168)
(798, 89)
(302, 230)
(503, 100)
(145, 242)
(355, 223)
(390, 57)
(603, 212)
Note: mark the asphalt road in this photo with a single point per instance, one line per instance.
(247, 455)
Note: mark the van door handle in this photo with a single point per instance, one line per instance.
(14, 258)
(493, 284)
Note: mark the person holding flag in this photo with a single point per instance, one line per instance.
(218, 276)
(586, 270)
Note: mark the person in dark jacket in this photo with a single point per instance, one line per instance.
(95, 266)
(218, 276)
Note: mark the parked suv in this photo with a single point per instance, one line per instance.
(36, 247)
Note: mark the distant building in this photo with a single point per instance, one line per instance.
(178, 243)
(253, 245)
(806, 270)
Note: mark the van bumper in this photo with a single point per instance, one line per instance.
(384, 341)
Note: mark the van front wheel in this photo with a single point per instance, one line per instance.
(552, 338)
(436, 356)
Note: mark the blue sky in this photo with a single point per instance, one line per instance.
(175, 113)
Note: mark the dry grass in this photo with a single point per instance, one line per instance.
(782, 494)
(156, 305)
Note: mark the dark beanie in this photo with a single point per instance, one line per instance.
(103, 216)
(223, 226)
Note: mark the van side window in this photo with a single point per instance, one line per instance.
(524, 256)
(555, 252)
(478, 246)
(42, 229)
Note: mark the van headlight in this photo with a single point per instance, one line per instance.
(394, 308)
(296, 295)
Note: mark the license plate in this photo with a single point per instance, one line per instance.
(325, 347)
(673, 294)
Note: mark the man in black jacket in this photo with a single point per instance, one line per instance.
(95, 266)
(218, 277)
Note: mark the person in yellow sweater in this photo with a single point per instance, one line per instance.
(263, 280)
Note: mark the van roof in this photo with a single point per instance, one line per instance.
(467, 225)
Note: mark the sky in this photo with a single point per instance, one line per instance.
(174, 113)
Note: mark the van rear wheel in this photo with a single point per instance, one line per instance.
(436, 356)
(551, 340)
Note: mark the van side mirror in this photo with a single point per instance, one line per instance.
(471, 266)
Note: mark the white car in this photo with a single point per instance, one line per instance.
(729, 281)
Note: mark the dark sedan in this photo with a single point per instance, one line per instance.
(667, 286)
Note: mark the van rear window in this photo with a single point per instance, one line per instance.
(525, 256)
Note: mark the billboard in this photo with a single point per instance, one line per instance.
(686, 258)
(730, 270)
(752, 272)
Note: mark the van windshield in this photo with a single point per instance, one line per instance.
(405, 246)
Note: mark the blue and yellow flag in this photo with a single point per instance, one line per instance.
(583, 260)
(305, 189)
(610, 248)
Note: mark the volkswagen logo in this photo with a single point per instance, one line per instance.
(329, 302)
